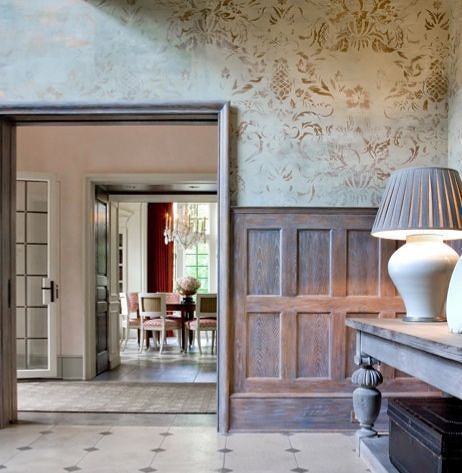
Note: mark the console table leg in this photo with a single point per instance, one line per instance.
(366, 398)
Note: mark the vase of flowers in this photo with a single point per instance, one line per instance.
(187, 287)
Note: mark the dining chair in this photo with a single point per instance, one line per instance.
(205, 318)
(153, 314)
(128, 321)
(172, 298)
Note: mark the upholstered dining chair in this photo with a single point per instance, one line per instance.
(205, 319)
(153, 314)
(171, 298)
(129, 320)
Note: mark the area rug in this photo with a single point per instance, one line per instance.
(119, 397)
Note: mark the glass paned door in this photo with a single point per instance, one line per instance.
(35, 282)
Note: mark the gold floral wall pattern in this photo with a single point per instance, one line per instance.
(455, 87)
(328, 96)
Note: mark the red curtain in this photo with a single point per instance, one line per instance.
(160, 255)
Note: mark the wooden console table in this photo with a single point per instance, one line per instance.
(427, 351)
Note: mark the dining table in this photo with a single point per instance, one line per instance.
(187, 310)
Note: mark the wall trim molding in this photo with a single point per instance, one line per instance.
(305, 210)
(70, 367)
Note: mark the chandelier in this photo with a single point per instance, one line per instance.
(184, 230)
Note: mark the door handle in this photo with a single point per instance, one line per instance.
(49, 291)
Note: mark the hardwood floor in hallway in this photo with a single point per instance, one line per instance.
(170, 367)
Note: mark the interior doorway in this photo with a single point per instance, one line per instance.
(142, 260)
(112, 115)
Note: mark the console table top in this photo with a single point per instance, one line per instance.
(432, 338)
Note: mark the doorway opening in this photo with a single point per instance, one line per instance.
(109, 116)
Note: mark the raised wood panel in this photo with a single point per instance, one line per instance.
(313, 345)
(297, 275)
(263, 262)
(263, 345)
(363, 263)
(314, 262)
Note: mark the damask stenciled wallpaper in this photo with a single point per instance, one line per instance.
(329, 96)
(455, 86)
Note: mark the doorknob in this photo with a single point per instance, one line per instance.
(49, 291)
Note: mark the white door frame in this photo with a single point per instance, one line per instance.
(54, 325)
(91, 181)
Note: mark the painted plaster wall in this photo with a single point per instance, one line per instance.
(329, 96)
(72, 152)
(132, 224)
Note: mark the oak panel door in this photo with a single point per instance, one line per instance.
(102, 281)
(8, 407)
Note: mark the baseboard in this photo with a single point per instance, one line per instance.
(261, 413)
(70, 367)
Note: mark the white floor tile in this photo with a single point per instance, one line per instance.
(172, 449)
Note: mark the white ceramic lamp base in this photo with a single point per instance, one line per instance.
(421, 270)
(454, 302)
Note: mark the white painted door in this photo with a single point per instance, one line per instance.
(37, 283)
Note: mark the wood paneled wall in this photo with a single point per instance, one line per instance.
(298, 274)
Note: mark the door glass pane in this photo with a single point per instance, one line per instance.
(37, 323)
(20, 227)
(34, 291)
(20, 259)
(36, 231)
(32, 317)
(20, 291)
(20, 323)
(20, 195)
(37, 196)
(37, 260)
(20, 354)
(37, 354)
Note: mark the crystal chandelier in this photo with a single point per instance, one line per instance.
(184, 230)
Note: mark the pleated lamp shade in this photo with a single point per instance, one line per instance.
(421, 201)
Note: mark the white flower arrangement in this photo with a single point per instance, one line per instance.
(187, 286)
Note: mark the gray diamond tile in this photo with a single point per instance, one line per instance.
(158, 450)
(299, 470)
(292, 450)
(148, 469)
(72, 468)
(224, 450)
(91, 449)
(23, 449)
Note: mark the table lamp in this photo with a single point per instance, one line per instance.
(423, 207)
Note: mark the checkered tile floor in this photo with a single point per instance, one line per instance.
(42, 448)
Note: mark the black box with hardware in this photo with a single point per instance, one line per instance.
(426, 435)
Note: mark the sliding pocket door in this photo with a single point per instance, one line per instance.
(37, 288)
